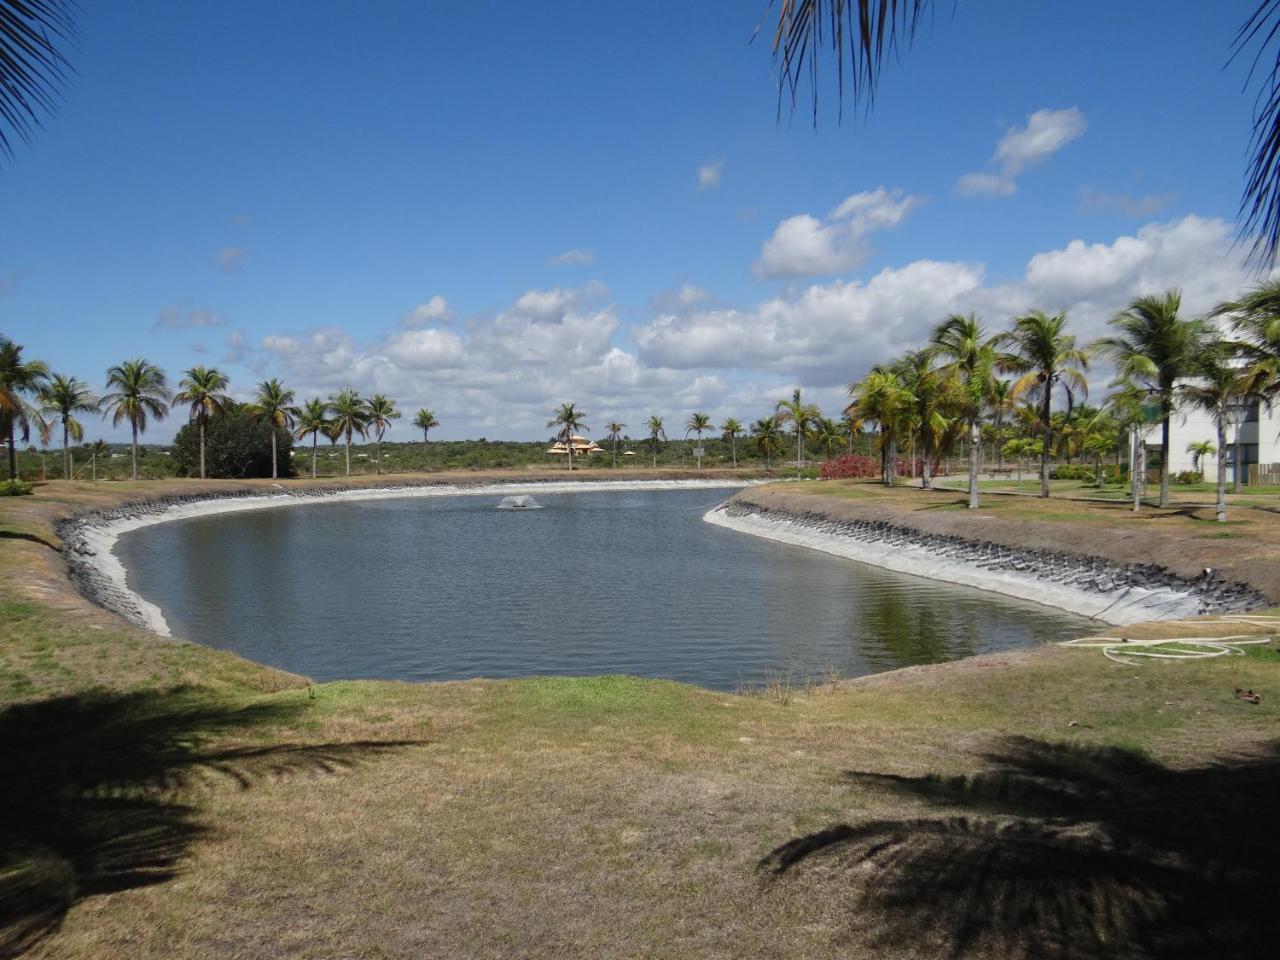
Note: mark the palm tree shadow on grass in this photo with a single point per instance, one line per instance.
(1057, 851)
(93, 801)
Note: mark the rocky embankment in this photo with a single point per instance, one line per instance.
(1090, 584)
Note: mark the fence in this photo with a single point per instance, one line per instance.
(1265, 474)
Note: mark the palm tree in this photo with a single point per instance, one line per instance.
(963, 343)
(425, 421)
(350, 415)
(615, 434)
(1046, 356)
(275, 405)
(1216, 388)
(19, 379)
(203, 388)
(311, 421)
(32, 68)
(97, 450)
(829, 433)
(381, 410)
(768, 436)
(655, 432)
(570, 420)
(730, 429)
(881, 398)
(1001, 404)
(140, 391)
(64, 397)
(698, 424)
(1199, 449)
(936, 398)
(801, 415)
(1156, 348)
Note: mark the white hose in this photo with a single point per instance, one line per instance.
(1124, 650)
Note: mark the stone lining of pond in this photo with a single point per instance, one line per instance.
(89, 537)
(1089, 585)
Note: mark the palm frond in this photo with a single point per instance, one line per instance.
(1260, 205)
(33, 69)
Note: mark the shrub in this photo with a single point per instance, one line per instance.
(15, 488)
(1187, 477)
(236, 446)
(850, 467)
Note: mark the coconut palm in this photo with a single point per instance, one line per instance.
(767, 433)
(570, 421)
(139, 392)
(829, 433)
(655, 434)
(800, 415)
(730, 430)
(1000, 404)
(349, 415)
(615, 434)
(1199, 449)
(32, 67)
(203, 388)
(97, 451)
(312, 420)
(1216, 388)
(19, 380)
(1155, 348)
(881, 398)
(1047, 359)
(64, 397)
(381, 410)
(425, 421)
(963, 344)
(274, 404)
(936, 398)
(698, 424)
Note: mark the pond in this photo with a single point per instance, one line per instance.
(626, 581)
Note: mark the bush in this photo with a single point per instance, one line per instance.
(850, 467)
(1071, 472)
(1187, 477)
(236, 446)
(15, 488)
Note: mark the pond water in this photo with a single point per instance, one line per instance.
(595, 582)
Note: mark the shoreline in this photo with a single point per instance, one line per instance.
(99, 574)
(1110, 593)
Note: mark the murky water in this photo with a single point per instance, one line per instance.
(596, 582)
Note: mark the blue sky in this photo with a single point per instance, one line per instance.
(491, 208)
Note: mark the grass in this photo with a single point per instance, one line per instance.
(167, 800)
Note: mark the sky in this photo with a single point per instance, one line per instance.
(493, 208)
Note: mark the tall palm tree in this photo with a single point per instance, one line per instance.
(829, 433)
(801, 415)
(1047, 358)
(1216, 387)
(730, 430)
(139, 391)
(97, 450)
(274, 403)
(698, 424)
(615, 434)
(935, 401)
(655, 432)
(204, 389)
(570, 420)
(19, 379)
(1156, 348)
(768, 437)
(963, 344)
(1001, 404)
(64, 397)
(349, 415)
(381, 410)
(881, 398)
(311, 421)
(425, 421)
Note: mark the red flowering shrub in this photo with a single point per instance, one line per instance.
(858, 467)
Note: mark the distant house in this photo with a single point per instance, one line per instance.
(1259, 438)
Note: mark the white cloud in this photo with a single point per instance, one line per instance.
(1046, 132)
(178, 316)
(709, 174)
(1093, 200)
(426, 349)
(803, 245)
(435, 310)
(229, 259)
(681, 297)
(574, 257)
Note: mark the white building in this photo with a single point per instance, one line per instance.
(1259, 439)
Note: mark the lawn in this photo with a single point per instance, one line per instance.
(166, 800)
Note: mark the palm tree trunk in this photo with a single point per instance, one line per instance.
(1164, 458)
(1048, 438)
(926, 468)
(377, 452)
(1222, 470)
(891, 464)
(1136, 470)
(200, 425)
(13, 452)
(348, 453)
(274, 475)
(733, 446)
(135, 449)
(314, 438)
(1235, 459)
(975, 452)
(66, 452)
(615, 454)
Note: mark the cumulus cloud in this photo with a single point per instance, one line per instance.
(178, 316)
(1045, 133)
(803, 245)
(1093, 200)
(574, 257)
(677, 298)
(435, 310)
(709, 174)
(229, 259)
